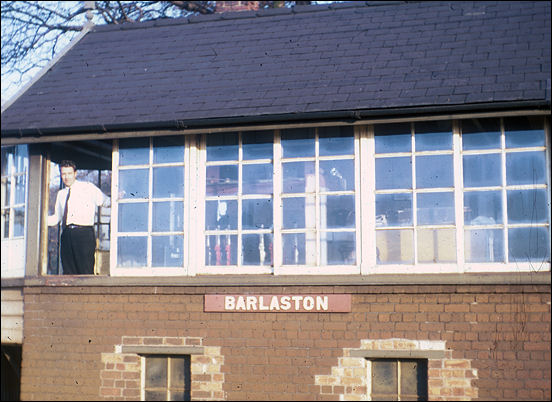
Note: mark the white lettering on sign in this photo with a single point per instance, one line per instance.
(258, 303)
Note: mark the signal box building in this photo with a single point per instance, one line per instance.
(338, 202)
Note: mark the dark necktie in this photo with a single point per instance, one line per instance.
(64, 222)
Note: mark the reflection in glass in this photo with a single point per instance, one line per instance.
(394, 137)
(257, 249)
(6, 191)
(436, 245)
(134, 151)
(392, 173)
(338, 248)
(179, 368)
(433, 135)
(411, 373)
(336, 141)
(155, 395)
(133, 217)
(529, 244)
(395, 246)
(168, 216)
(6, 223)
(168, 182)
(435, 208)
(339, 211)
(222, 147)
(480, 134)
(221, 249)
(527, 206)
(168, 149)
(525, 168)
(20, 189)
(337, 175)
(298, 212)
(298, 177)
(156, 372)
(257, 179)
(482, 207)
(484, 245)
(299, 248)
(257, 145)
(394, 209)
(384, 377)
(19, 221)
(221, 215)
(222, 180)
(298, 142)
(167, 251)
(131, 251)
(524, 131)
(434, 171)
(482, 170)
(133, 183)
(257, 214)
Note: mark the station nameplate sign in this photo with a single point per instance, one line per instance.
(281, 303)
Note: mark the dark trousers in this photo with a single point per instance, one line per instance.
(77, 250)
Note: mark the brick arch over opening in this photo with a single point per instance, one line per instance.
(448, 378)
(121, 373)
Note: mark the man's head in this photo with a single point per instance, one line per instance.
(68, 171)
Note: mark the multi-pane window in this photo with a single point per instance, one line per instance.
(14, 187)
(166, 378)
(398, 379)
(150, 207)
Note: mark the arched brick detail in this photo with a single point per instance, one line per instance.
(121, 373)
(448, 378)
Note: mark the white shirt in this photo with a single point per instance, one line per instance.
(85, 197)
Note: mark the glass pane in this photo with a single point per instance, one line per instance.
(393, 138)
(338, 211)
(167, 251)
(299, 248)
(131, 251)
(482, 207)
(413, 380)
(133, 151)
(337, 248)
(133, 183)
(179, 368)
(299, 213)
(6, 191)
(257, 145)
(168, 182)
(437, 245)
(133, 217)
(18, 221)
(179, 396)
(221, 215)
(480, 134)
(337, 175)
(298, 177)
(525, 168)
(168, 149)
(155, 395)
(257, 179)
(393, 173)
(221, 250)
(222, 147)
(298, 142)
(435, 208)
(527, 206)
(257, 249)
(20, 189)
(433, 135)
(484, 245)
(524, 131)
(336, 141)
(222, 180)
(257, 214)
(7, 160)
(395, 246)
(168, 216)
(156, 372)
(5, 223)
(434, 171)
(21, 158)
(482, 170)
(384, 377)
(394, 209)
(529, 244)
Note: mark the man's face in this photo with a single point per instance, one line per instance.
(68, 175)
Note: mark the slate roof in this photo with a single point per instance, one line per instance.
(282, 64)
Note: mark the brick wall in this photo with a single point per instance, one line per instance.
(499, 334)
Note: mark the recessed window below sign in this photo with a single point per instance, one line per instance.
(398, 379)
(166, 378)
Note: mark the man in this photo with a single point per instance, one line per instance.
(75, 208)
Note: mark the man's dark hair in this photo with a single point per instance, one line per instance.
(68, 163)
